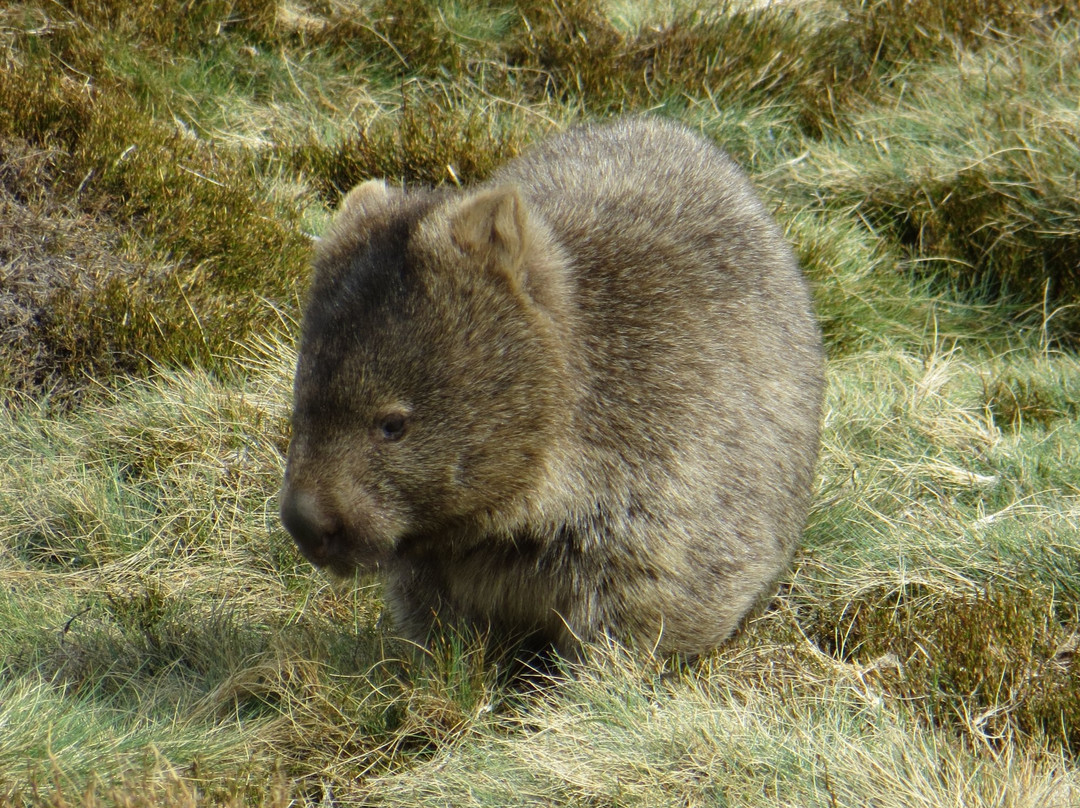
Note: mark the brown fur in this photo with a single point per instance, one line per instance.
(581, 400)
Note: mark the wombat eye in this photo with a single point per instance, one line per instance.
(392, 426)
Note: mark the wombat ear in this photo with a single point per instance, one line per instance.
(494, 226)
(366, 194)
(362, 201)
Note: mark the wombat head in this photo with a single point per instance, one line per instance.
(430, 381)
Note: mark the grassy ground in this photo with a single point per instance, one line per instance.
(162, 167)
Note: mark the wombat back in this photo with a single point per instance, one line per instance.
(581, 400)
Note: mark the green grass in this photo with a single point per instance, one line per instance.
(163, 168)
(970, 166)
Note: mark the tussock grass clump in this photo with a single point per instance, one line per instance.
(942, 560)
(741, 54)
(1043, 394)
(994, 662)
(899, 32)
(971, 169)
(175, 24)
(865, 296)
(184, 247)
(131, 474)
(405, 37)
(735, 732)
(429, 141)
(573, 51)
(49, 252)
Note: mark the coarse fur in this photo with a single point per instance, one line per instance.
(581, 400)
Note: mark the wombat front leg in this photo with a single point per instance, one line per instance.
(416, 604)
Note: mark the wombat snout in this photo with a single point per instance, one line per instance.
(313, 525)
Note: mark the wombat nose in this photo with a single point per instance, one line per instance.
(315, 529)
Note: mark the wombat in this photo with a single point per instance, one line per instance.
(580, 401)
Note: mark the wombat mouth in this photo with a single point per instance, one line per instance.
(346, 570)
(349, 563)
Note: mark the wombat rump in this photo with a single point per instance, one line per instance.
(579, 401)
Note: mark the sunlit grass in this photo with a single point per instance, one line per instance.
(938, 582)
(162, 172)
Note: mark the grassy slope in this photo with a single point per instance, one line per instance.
(160, 641)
